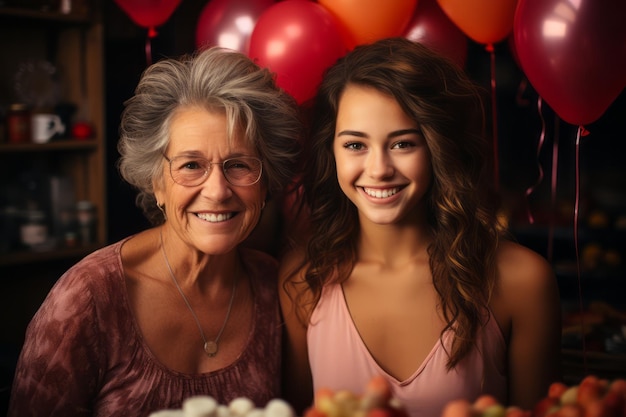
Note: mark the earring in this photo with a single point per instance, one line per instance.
(263, 205)
(162, 208)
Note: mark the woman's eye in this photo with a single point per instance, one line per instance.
(191, 165)
(237, 164)
(403, 145)
(354, 146)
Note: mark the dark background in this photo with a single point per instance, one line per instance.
(601, 170)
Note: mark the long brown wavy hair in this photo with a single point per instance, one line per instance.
(448, 107)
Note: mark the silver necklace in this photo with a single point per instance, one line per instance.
(210, 346)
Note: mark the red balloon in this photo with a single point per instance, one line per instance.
(573, 53)
(229, 23)
(433, 28)
(148, 13)
(297, 40)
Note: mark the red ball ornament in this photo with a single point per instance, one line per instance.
(82, 130)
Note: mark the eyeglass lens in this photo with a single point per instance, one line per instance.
(191, 171)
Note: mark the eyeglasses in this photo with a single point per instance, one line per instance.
(191, 171)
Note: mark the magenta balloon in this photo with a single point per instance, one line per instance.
(432, 27)
(573, 53)
(229, 23)
(297, 40)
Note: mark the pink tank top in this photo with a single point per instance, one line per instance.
(340, 360)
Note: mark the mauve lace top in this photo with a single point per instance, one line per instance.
(84, 354)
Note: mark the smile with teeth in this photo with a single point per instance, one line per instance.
(215, 218)
(377, 193)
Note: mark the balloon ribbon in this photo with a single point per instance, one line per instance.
(494, 117)
(581, 132)
(553, 182)
(542, 137)
(151, 34)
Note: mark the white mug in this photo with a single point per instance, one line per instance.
(45, 126)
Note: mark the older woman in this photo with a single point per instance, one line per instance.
(182, 308)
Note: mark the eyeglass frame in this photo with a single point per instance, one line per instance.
(221, 164)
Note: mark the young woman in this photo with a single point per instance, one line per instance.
(405, 272)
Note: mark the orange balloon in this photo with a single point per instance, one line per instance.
(366, 21)
(485, 21)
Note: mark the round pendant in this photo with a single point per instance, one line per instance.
(210, 348)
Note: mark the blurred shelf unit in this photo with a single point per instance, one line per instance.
(578, 364)
(590, 270)
(594, 257)
(53, 194)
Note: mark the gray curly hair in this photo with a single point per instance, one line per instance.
(215, 78)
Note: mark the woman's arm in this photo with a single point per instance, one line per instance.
(297, 384)
(530, 294)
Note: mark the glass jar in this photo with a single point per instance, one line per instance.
(18, 123)
(86, 217)
(34, 231)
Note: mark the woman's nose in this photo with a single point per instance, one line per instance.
(216, 186)
(379, 165)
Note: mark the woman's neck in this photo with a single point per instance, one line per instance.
(200, 269)
(393, 244)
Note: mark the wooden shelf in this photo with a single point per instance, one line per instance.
(41, 15)
(73, 44)
(28, 257)
(61, 145)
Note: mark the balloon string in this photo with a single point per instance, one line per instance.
(151, 34)
(148, 52)
(553, 182)
(576, 207)
(542, 137)
(494, 117)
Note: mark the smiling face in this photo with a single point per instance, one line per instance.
(383, 161)
(215, 216)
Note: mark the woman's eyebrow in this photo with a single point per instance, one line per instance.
(351, 133)
(404, 132)
(390, 135)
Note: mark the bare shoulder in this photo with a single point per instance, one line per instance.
(526, 286)
(140, 253)
(522, 269)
